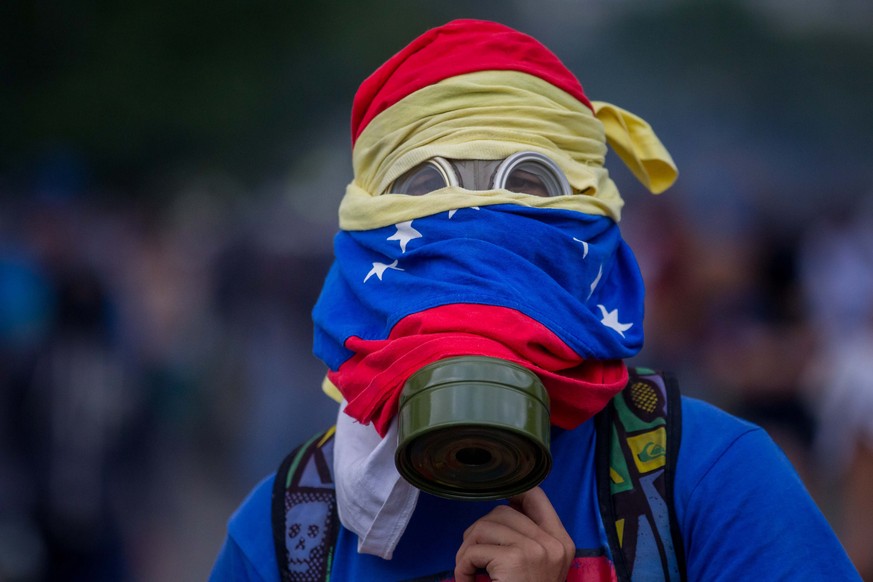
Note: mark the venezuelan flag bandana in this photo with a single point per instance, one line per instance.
(547, 283)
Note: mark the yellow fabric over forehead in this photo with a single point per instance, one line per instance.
(490, 115)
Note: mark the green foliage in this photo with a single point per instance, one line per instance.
(139, 86)
(143, 88)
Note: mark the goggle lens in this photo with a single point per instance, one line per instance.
(425, 178)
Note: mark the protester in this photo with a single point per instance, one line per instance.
(481, 223)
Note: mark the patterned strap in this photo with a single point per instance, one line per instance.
(638, 437)
(304, 514)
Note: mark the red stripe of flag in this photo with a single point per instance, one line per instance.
(372, 379)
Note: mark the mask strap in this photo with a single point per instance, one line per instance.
(638, 147)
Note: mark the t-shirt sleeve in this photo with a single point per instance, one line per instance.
(742, 508)
(248, 552)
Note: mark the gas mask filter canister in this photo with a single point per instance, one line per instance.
(474, 428)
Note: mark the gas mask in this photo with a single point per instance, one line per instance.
(474, 427)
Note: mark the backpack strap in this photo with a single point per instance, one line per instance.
(304, 514)
(638, 436)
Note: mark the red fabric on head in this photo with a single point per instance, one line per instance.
(457, 48)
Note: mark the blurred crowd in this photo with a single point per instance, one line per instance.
(155, 363)
(774, 323)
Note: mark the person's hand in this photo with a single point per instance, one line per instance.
(522, 541)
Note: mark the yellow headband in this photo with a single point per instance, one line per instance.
(490, 115)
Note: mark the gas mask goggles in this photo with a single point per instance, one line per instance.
(523, 173)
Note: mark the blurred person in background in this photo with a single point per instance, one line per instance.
(75, 413)
(75, 408)
(837, 273)
(759, 320)
(76, 419)
(448, 251)
(26, 303)
(66, 403)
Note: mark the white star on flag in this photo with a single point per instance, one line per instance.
(610, 320)
(404, 234)
(584, 247)
(379, 268)
(452, 212)
(594, 284)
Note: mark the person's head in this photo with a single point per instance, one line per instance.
(481, 222)
(478, 90)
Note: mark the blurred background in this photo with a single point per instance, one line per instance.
(169, 177)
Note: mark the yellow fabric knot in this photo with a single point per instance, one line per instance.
(638, 147)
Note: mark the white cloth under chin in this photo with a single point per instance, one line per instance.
(373, 500)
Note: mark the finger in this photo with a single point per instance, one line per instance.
(505, 516)
(495, 542)
(469, 561)
(498, 561)
(535, 505)
(501, 532)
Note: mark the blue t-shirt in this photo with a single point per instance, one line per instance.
(742, 511)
